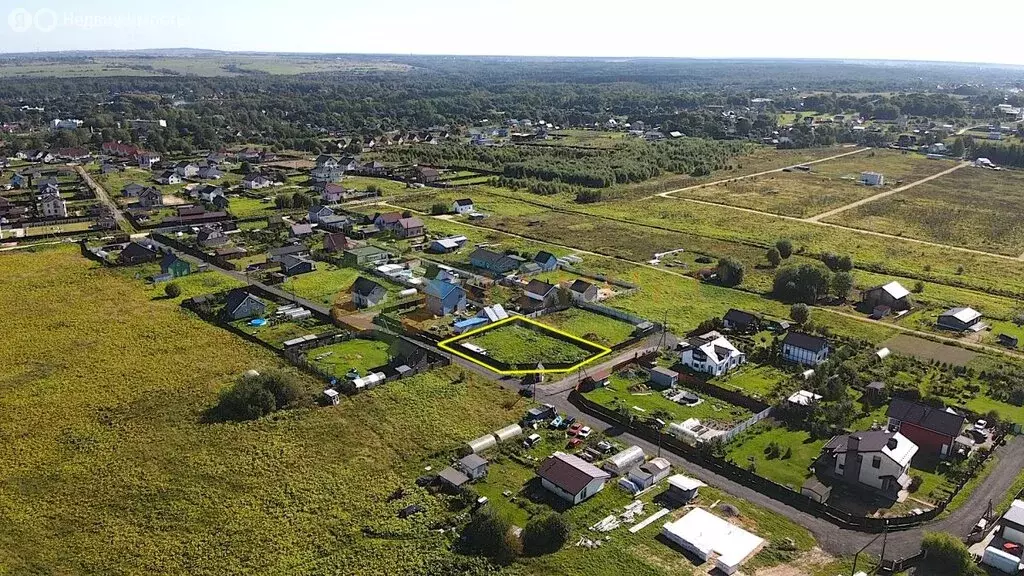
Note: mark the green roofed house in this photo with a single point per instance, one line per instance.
(364, 256)
(174, 266)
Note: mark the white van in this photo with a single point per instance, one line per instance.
(531, 441)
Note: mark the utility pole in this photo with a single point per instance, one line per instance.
(856, 556)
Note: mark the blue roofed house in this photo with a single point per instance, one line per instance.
(444, 298)
(546, 261)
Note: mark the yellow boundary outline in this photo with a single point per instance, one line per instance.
(446, 346)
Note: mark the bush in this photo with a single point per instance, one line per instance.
(253, 397)
(438, 208)
(785, 248)
(730, 272)
(490, 535)
(774, 257)
(915, 483)
(172, 290)
(546, 535)
(918, 287)
(837, 263)
(946, 555)
(800, 313)
(842, 284)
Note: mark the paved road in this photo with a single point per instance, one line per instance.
(885, 194)
(746, 176)
(101, 195)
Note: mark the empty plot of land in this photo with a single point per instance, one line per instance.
(927, 350)
(973, 207)
(517, 344)
(825, 186)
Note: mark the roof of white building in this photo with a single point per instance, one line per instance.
(710, 534)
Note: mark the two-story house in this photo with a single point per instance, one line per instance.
(804, 349)
(877, 461)
(710, 353)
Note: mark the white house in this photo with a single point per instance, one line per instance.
(711, 353)
(255, 182)
(148, 159)
(53, 206)
(872, 179)
(462, 206)
(571, 478)
(804, 349)
(878, 460)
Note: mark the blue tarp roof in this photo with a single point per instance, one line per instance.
(469, 322)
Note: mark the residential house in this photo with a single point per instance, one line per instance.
(210, 193)
(332, 193)
(364, 256)
(147, 160)
(716, 542)
(107, 168)
(446, 245)
(209, 173)
(255, 182)
(546, 261)
(326, 174)
(335, 223)
(52, 205)
(934, 430)
(710, 353)
(168, 177)
(877, 461)
(132, 190)
(186, 169)
(301, 230)
(444, 298)
(741, 321)
(241, 304)
(891, 296)
(336, 243)
(275, 254)
(494, 262)
(120, 150)
(425, 174)
(367, 293)
(174, 266)
(583, 291)
(571, 478)
(374, 168)
(538, 295)
(294, 265)
(804, 349)
(961, 320)
(150, 197)
(410, 228)
(663, 378)
(211, 237)
(136, 253)
(462, 206)
(248, 155)
(72, 154)
(325, 161)
(387, 220)
(316, 212)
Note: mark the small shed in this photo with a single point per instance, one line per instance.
(474, 466)
(815, 490)
(624, 461)
(1007, 340)
(508, 432)
(482, 443)
(664, 378)
(452, 478)
(682, 488)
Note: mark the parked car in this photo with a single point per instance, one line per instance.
(556, 422)
(605, 447)
(531, 441)
(584, 432)
(575, 428)
(574, 443)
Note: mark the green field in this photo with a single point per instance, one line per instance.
(514, 343)
(755, 381)
(972, 207)
(326, 284)
(618, 395)
(752, 445)
(114, 471)
(589, 326)
(827, 185)
(199, 65)
(357, 354)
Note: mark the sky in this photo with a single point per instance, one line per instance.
(867, 29)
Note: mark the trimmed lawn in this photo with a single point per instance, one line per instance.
(617, 395)
(589, 326)
(516, 344)
(361, 355)
(323, 284)
(786, 471)
(755, 381)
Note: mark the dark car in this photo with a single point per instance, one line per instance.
(410, 510)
